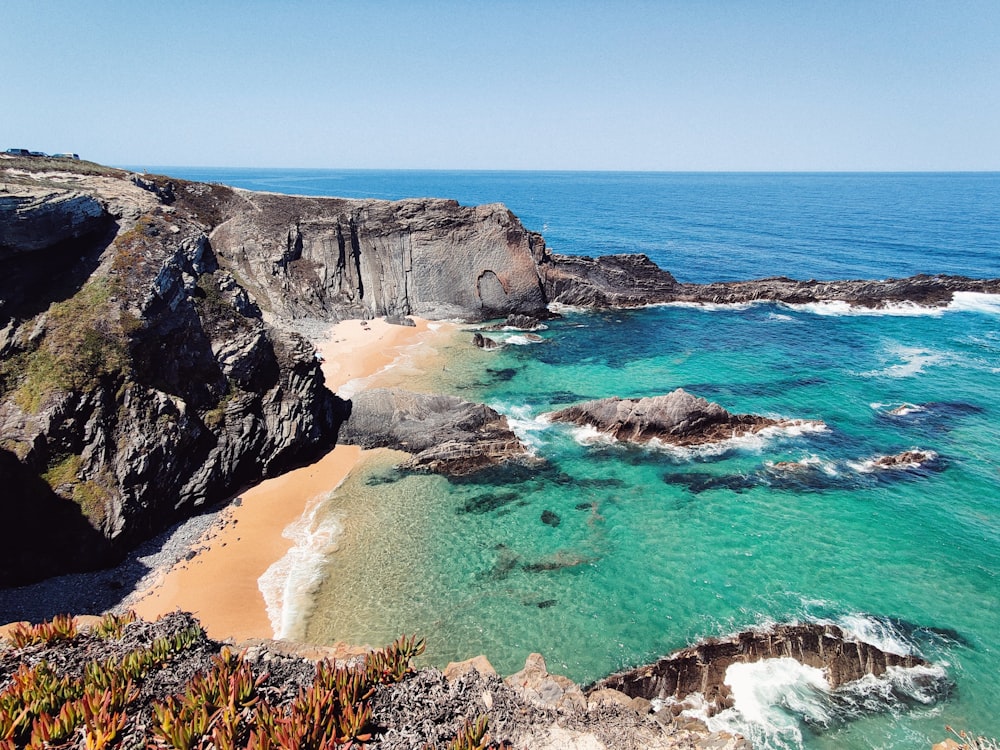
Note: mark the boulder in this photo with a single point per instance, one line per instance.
(457, 669)
(445, 434)
(484, 342)
(677, 418)
(911, 459)
(536, 686)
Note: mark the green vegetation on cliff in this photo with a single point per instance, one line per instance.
(128, 683)
(82, 341)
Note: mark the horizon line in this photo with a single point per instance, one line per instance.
(134, 167)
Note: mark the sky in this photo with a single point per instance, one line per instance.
(685, 85)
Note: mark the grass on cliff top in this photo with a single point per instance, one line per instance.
(54, 164)
(84, 341)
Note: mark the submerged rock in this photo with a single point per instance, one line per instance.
(677, 418)
(550, 518)
(912, 459)
(445, 434)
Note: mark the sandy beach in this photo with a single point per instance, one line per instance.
(219, 580)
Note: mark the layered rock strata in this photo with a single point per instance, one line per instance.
(702, 668)
(336, 259)
(677, 418)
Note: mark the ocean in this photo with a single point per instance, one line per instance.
(608, 556)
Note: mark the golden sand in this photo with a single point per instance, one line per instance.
(219, 584)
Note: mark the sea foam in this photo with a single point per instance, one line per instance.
(289, 584)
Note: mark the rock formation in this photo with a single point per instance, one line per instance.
(148, 365)
(635, 281)
(702, 668)
(911, 459)
(139, 381)
(678, 418)
(337, 259)
(444, 433)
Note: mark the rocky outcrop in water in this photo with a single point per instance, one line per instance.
(911, 459)
(635, 281)
(445, 434)
(702, 668)
(677, 418)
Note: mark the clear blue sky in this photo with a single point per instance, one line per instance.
(685, 85)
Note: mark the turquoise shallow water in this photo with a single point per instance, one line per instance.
(655, 549)
(648, 550)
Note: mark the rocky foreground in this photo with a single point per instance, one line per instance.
(393, 705)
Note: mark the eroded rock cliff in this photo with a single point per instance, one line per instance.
(147, 362)
(336, 259)
(142, 382)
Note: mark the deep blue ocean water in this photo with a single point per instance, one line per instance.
(647, 550)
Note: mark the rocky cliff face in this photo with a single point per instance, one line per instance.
(146, 364)
(141, 386)
(337, 259)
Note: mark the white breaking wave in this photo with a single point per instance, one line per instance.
(841, 308)
(875, 632)
(590, 435)
(713, 306)
(521, 339)
(755, 442)
(523, 424)
(975, 302)
(771, 698)
(289, 584)
(914, 361)
(775, 699)
(897, 410)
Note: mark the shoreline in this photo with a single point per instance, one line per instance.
(219, 580)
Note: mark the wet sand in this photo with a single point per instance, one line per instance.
(219, 581)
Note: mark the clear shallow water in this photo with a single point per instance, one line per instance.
(656, 549)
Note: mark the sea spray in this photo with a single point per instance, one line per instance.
(771, 700)
(778, 703)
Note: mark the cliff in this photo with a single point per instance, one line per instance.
(148, 361)
(336, 259)
(148, 367)
(139, 381)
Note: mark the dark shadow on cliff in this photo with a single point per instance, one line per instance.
(45, 533)
(32, 281)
